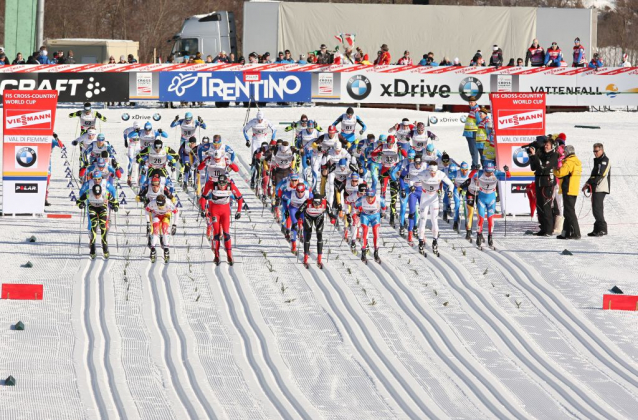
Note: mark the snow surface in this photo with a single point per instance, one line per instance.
(412, 338)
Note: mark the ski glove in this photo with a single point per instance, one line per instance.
(361, 132)
(412, 188)
(403, 194)
(298, 215)
(247, 144)
(237, 216)
(81, 205)
(176, 118)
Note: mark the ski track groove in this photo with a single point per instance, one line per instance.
(167, 356)
(477, 381)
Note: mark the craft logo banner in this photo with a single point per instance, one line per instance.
(71, 87)
(518, 119)
(223, 86)
(28, 121)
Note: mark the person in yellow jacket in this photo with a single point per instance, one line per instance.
(569, 176)
(470, 129)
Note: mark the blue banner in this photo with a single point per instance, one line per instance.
(230, 86)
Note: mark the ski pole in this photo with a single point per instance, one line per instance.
(80, 234)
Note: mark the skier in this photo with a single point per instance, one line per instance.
(486, 182)
(411, 179)
(158, 158)
(421, 138)
(285, 187)
(300, 125)
(100, 148)
(160, 211)
(460, 177)
(219, 144)
(305, 142)
(84, 141)
(404, 189)
(293, 200)
(402, 132)
(351, 195)
(449, 167)
(281, 163)
(149, 193)
(349, 123)
(188, 126)
(188, 161)
(88, 117)
(132, 142)
(55, 142)
(388, 155)
(216, 165)
(261, 159)
(148, 136)
(108, 172)
(370, 209)
(259, 127)
(329, 163)
(430, 183)
(217, 195)
(136, 127)
(313, 212)
(97, 201)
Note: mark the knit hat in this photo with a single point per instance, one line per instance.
(569, 150)
(484, 110)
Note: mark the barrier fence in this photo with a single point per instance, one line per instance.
(449, 85)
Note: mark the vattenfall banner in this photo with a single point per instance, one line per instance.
(29, 118)
(223, 86)
(518, 118)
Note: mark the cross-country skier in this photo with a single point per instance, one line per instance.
(486, 182)
(55, 142)
(217, 195)
(313, 212)
(411, 179)
(88, 117)
(259, 127)
(156, 187)
(293, 200)
(388, 156)
(371, 210)
(188, 161)
(188, 126)
(148, 136)
(402, 133)
(158, 159)
(404, 189)
(420, 138)
(97, 202)
(132, 142)
(349, 123)
(161, 211)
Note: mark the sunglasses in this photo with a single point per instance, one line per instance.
(596, 150)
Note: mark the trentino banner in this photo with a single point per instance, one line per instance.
(518, 118)
(29, 117)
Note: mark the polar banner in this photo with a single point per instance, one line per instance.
(28, 119)
(231, 87)
(518, 118)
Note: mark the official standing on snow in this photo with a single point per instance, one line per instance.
(569, 176)
(542, 162)
(600, 185)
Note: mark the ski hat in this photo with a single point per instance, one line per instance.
(310, 124)
(569, 150)
(484, 110)
(577, 39)
(489, 167)
(301, 188)
(445, 158)
(97, 189)
(411, 154)
(134, 135)
(418, 160)
(294, 176)
(332, 129)
(420, 126)
(97, 175)
(260, 115)
(429, 147)
(354, 176)
(148, 126)
(391, 139)
(161, 200)
(453, 168)
(349, 111)
(157, 144)
(100, 137)
(101, 162)
(188, 116)
(205, 139)
(222, 179)
(217, 139)
(155, 180)
(316, 199)
(495, 47)
(87, 106)
(338, 146)
(91, 132)
(136, 125)
(465, 166)
(371, 192)
(382, 138)
(433, 166)
(562, 137)
(343, 162)
(405, 121)
(192, 139)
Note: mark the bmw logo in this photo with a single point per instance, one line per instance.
(470, 86)
(433, 120)
(125, 117)
(157, 117)
(463, 119)
(359, 87)
(520, 157)
(26, 157)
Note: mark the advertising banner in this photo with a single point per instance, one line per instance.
(143, 86)
(223, 86)
(518, 118)
(28, 118)
(326, 86)
(72, 87)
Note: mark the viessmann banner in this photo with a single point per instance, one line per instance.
(518, 118)
(223, 86)
(28, 120)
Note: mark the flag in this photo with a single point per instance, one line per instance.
(349, 38)
(339, 38)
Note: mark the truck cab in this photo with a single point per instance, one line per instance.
(208, 34)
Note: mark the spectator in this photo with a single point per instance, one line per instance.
(43, 58)
(312, 58)
(384, 58)
(241, 60)
(349, 57)
(69, 57)
(122, 60)
(579, 54)
(280, 57)
(554, 56)
(221, 57)
(445, 62)
(457, 62)
(596, 62)
(542, 162)
(198, 58)
(285, 58)
(19, 59)
(323, 56)
(625, 61)
(474, 60)
(61, 58)
(2, 59)
(535, 54)
(519, 62)
(496, 59)
(569, 175)
(131, 59)
(423, 61)
(54, 59)
(599, 183)
(470, 129)
(336, 57)
(209, 59)
(33, 58)
(6, 60)
(511, 63)
(231, 58)
(112, 60)
(266, 58)
(302, 59)
(406, 60)
(430, 60)
(253, 58)
(366, 60)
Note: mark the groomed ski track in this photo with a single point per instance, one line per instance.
(413, 337)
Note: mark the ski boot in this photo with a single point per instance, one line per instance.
(402, 230)
(92, 251)
(422, 247)
(293, 247)
(410, 240)
(376, 256)
(216, 259)
(353, 247)
(468, 235)
(129, 182)
(455, 226)
(46, 203)
(479, 240)
(435, 247)
(229, 260)
(153, 254)
(185, 186)
(364, 257)
(490, 242)
(445, 219)
(319, 263)
(287, 235)
(166, 255)
(392, 220)
(105, 251)
(173, 230)
(305, 261)
(283, 230)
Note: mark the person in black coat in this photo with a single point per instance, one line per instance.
(542, 161)
(599, 183)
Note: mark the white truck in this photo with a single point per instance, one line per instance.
(208, 34)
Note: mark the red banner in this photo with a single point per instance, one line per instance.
(518, 118)
(29, 117)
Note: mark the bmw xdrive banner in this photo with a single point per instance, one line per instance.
(518, 118)
(29, 117)
(223, 86)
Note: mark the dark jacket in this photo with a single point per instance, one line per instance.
(600, 179)
(69, 60)
(496, 59)
(325, 58)
(542, 164)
